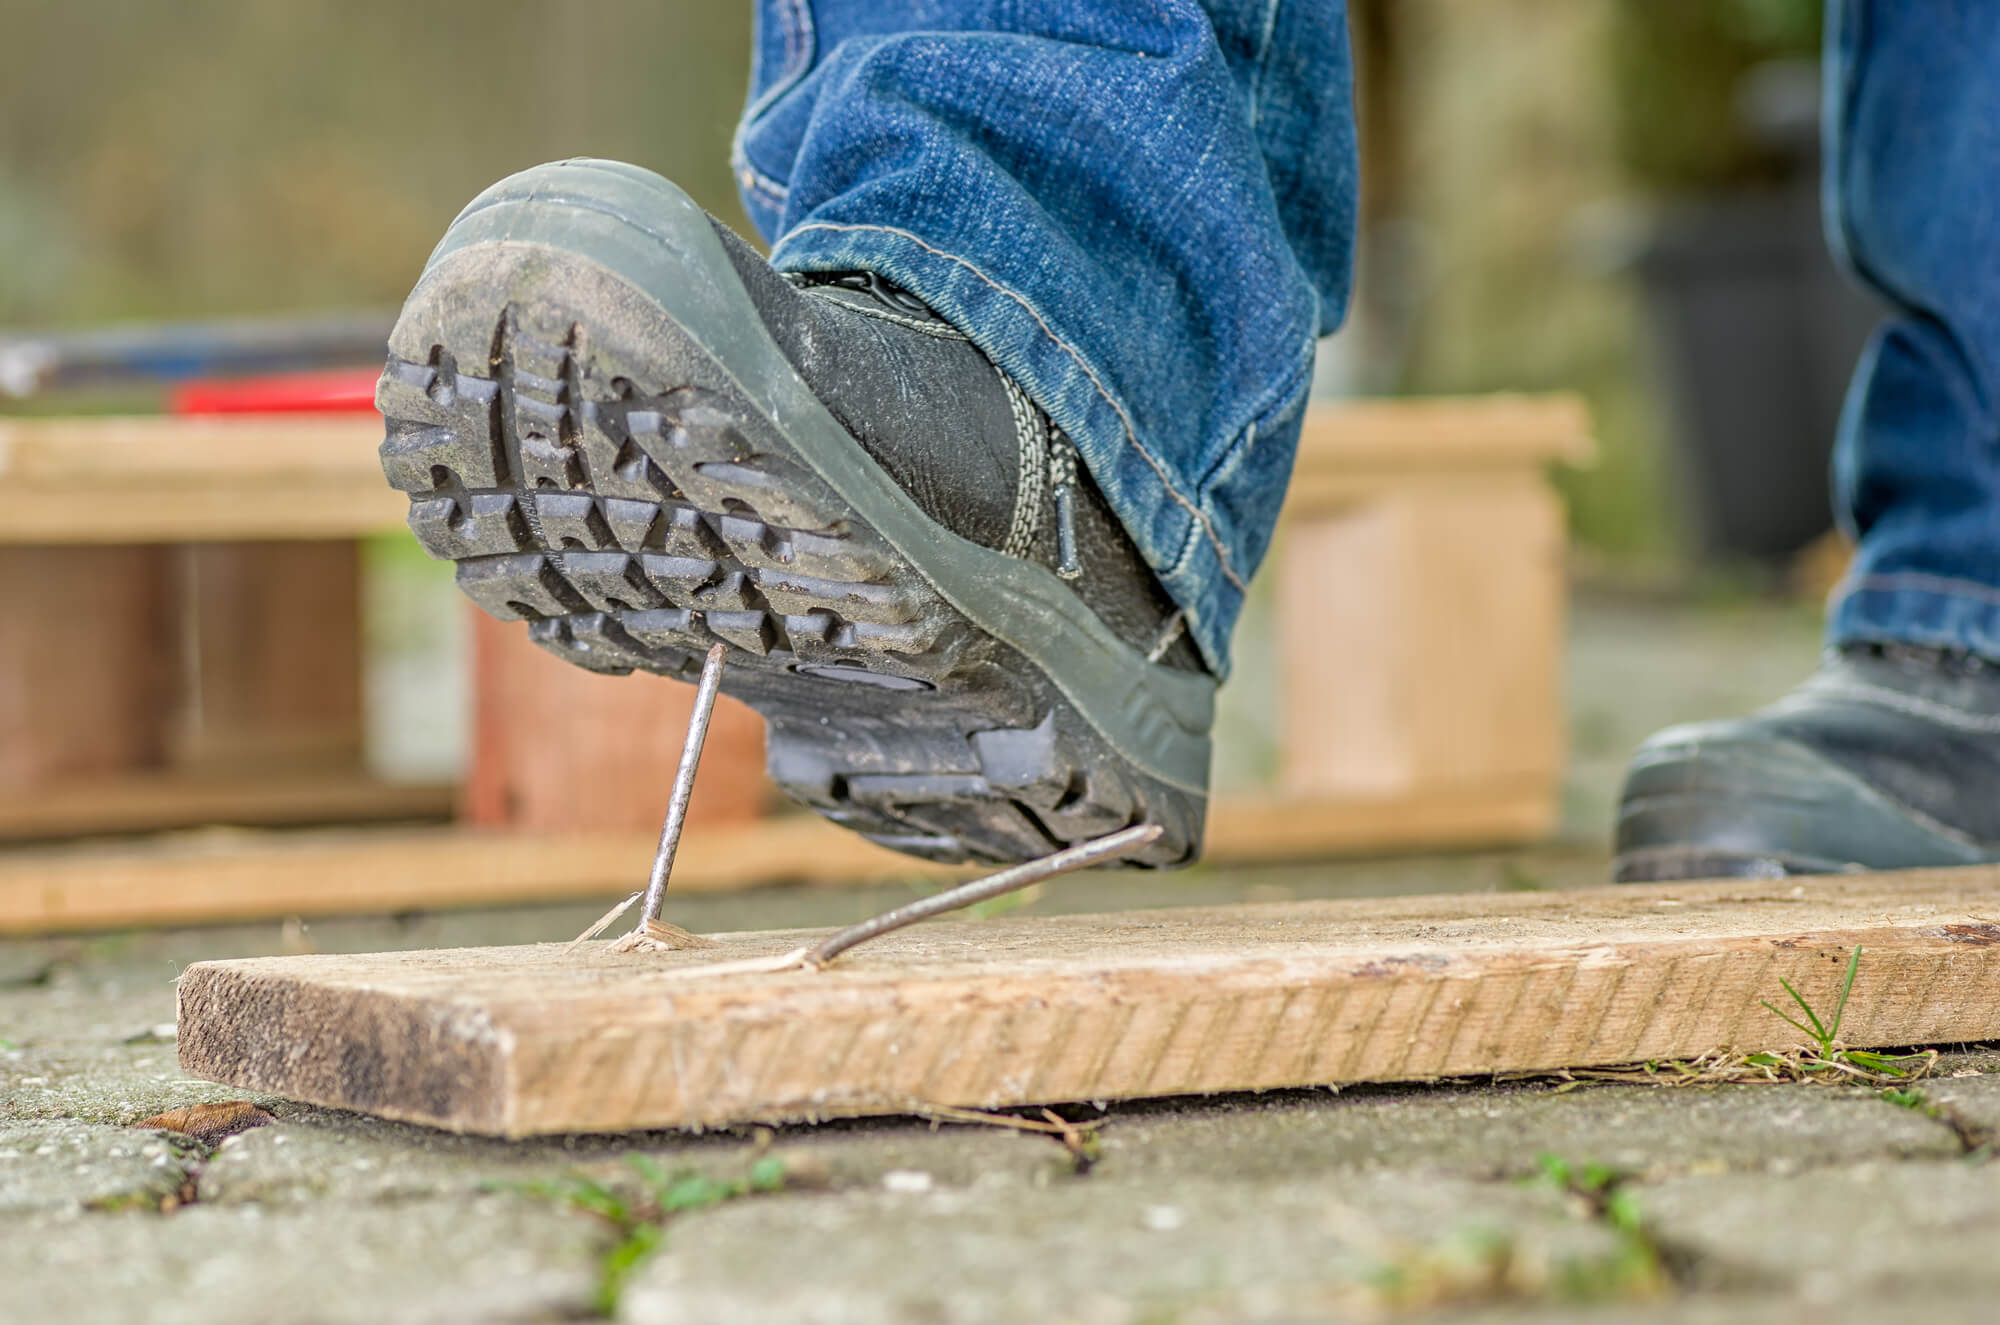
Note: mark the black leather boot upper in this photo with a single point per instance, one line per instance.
(1887, 757)
(960, 438)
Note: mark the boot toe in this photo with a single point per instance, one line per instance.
(1730, 799)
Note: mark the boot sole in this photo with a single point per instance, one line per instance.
(1765, 808)
(591, 421)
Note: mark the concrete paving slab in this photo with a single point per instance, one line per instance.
(1498, 1132)
(493, 1258)
(1974, 1098)
(64, 1166)
(319, 1155)
(107, 1085)
(1110, 1253)
(1864, 1231)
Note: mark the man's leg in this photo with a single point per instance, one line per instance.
(1890, 755)
(1142, 213)
(972, 479)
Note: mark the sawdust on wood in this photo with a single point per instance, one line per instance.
(659, 936)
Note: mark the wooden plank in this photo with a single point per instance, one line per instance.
(135, 480)
(273, 642)
(1464, 814)
(244, 509)
(1428, 432)
(181, 451)
(205, 878)
(87, 663)
(208, 878)
(1446, 432)
(528, 1040)
(1460, 596)
(145, 802)
(142, 479)
(558, 749)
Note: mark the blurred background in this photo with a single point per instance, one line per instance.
(1573, 193)
(1612, 197)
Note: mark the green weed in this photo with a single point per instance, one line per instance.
(1824, 1060)
(640, 1220)
(1479, 1266)
(1636, 1268)
(1829, 1056)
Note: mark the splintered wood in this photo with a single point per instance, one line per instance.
(518, 1041)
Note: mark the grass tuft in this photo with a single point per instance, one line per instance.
(1823, 1061)
(640, 1219)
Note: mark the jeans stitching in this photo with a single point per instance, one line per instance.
(1131, 432)
(1273, 399)
(757, 182)
(761, 183)
(1190, 543)
(1917, 581)
(796, 16)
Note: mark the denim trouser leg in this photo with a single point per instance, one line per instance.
(1143, 213)
(1913, 204)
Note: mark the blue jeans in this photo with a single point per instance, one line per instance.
(1913, 207)
(1143, 213)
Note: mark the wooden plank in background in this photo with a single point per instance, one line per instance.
(87, 663)
(1459, 595)
(209, 877)
(131, 480)
(272, 639)
(128, 480)
(526, 1040)
(1458, 433)
(558, 749)
(206, 878)
(150, 801)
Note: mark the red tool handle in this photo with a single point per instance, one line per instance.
(347, 390)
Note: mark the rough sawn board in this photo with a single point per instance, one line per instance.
(516, 1041)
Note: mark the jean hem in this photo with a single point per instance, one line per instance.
(1934, 611)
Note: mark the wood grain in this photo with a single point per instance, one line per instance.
(517, 1041)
